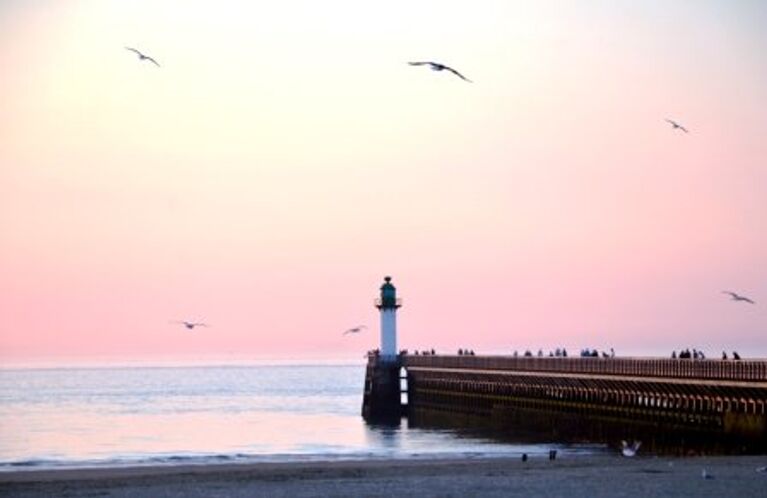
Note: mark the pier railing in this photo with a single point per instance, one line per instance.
(733, 370)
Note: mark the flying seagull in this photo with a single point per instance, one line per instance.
(190, 325)
(630, 450)
(676, 126)
(436, 66)
(355, 330)
(738, 297)
(143, 57)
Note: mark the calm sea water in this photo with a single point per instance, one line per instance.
(78, 417)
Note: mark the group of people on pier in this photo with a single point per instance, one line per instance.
(593, 353)
(562, 353)
(425, 352)
(685, 354)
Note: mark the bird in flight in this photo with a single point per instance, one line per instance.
(676, 126)
(436, 66)
(143, 57)
(630, 450)
(190, 325)
(738, 297)
(355, 330)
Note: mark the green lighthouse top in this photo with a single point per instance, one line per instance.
(388, 299)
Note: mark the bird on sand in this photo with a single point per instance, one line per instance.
(738, 297)
(143, 57)
(436, 66)
(676, 126)
(355, 330)
(630, 450)
(190, 325)
(705, 475)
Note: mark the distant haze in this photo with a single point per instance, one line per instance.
(285, 158)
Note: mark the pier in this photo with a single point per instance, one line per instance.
(591, 398)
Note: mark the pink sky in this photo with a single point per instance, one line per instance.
(285, 158)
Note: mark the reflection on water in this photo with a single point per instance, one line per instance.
(75, 417)
(411, 437)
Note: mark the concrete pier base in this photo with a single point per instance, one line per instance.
(382, 400)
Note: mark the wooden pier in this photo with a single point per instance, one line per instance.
(719, 399)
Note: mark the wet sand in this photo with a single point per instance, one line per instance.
(580, 476)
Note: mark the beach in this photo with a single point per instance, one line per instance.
(585, 476)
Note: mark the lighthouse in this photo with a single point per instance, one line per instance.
(383, 393)
(387, 304)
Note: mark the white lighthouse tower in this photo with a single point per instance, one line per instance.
(388, 304)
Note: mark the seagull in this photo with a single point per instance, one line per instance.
(676, 126)
(630, 450)
(436, 66)
(762, 470)
(190, 325)
(705, 475)
(143, 57)
(355, 330)
(738, 297)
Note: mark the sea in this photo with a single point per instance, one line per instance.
(83, 417)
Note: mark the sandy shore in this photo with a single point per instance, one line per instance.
(570, 477)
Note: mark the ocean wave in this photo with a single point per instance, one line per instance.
(213, 459)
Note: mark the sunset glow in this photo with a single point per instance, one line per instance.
(284, 158)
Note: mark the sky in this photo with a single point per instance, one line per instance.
(285, 158)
